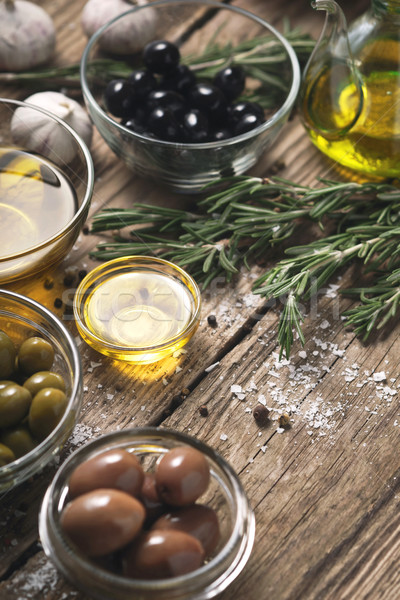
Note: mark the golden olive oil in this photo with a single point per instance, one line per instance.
(36, 200)
(363, 136)
(139, 310)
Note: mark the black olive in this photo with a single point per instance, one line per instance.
(161, 56)
(142, 82)
(220, 134)
(167, 99)
(119, 98)
(135, 125)
(230, 81)
(164, 125)
(209, 98)
(180, 79)
(240, 109)
(195, 125)
(246, 123)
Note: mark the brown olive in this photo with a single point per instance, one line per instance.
(35, 354)
(162, 554)
(15, 401)
(152, 502)
(8, 353)
(182, 475)
(116, 469)
(102, 521)
(44, 379)
(19, 439)
(46, 411)
(198, 520)
(6, 455)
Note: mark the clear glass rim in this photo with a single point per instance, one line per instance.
(240, 544)
(47, 445)
(276, 117)
(112, 267)
(89, 185)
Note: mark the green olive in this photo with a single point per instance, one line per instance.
(35, 354)
(15, 401)
(47, 409)
(6, 455)
(43, 379)
(8, 353)
(5, 382)
(19, 440)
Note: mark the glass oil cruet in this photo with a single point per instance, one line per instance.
(350, 93)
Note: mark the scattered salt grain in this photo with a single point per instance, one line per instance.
(223, 437)
(211, 367)
(380, 376)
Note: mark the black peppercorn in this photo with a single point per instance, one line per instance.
(261, 414)
(203, 410)
(175, 402)
(82, 273)
(284, 421)
(58, 303)
(212, 320)
(48, 283)
(68, 280)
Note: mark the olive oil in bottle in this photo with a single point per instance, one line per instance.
(36, 200)
(139, 309)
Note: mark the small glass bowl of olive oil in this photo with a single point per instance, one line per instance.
(43, 202)
(138, 309)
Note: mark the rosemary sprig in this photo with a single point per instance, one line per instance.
(379, 303)
(243, 216)
(259, 52)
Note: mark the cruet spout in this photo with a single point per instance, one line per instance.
(331, 94)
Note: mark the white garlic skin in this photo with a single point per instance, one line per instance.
(27, 35)
(128, 35)
(36, 132)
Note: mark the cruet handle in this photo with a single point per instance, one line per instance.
(331, 94)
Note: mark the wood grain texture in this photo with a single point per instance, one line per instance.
(325, 491)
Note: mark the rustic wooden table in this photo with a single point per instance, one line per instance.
(326, 491)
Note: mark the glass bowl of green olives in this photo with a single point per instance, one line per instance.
(188, 528)
(200, 94)
(40, 387)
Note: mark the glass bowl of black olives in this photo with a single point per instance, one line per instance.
(147, 513)
(201, 95)
(40, 387)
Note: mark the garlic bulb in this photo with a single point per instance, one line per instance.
(127, 35)
(36, 132)
(27, 35)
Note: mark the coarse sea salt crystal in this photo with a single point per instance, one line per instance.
(379, 376)
(236, 389)
(223, 437)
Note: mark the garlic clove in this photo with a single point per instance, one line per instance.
(127, 35)
(36, 132)
(27, 35)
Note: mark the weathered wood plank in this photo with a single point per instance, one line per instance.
(325, 492)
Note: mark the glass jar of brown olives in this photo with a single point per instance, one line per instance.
(208, 516)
